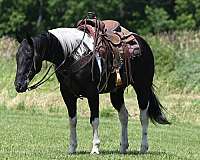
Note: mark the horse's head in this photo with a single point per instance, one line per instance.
(28, 64)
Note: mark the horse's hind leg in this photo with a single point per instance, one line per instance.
(117, 100)
(143, 102)
(70, 101)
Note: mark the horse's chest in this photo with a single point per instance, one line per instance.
(74, 83)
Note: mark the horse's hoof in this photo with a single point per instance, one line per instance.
(144, 149)
(72, 149)
(123, 151)
(95, 150)
(123, 148)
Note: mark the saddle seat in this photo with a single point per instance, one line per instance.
(91, 22)
(111, 25)
(116, 33)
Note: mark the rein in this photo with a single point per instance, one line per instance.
(43, 80)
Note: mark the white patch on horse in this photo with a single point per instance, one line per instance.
(144, 119)
(96, 141)
(70, 38)
(73, 136)
(123, 117)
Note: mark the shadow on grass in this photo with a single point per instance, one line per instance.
(116, 152)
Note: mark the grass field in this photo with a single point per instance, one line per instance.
(34, 135)
(34, 125)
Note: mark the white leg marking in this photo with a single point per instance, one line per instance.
(144, 119)
(96, 141)
(73, 136)
(123, 117)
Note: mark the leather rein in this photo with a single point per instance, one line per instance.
(43, 80)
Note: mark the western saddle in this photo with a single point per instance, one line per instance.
(115, 33)
(123, 43)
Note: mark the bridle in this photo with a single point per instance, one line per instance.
(44, 79)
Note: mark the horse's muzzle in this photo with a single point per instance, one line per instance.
(21, 87)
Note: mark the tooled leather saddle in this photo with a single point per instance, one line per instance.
(111, 39)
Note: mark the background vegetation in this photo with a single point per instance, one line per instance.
(142, 16)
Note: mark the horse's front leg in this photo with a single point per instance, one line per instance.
(93, 101)
(70, 101)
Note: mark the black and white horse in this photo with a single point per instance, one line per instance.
(68, 45)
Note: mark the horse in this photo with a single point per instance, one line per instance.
(79, 72)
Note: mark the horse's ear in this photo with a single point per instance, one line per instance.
(19, 38)
(30, 41)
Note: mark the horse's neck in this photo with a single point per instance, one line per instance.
(49, 48)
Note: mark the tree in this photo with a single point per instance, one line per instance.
(188, 12)
(158, 20)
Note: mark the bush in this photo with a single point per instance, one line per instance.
(186, 75)
(164, 54)
(177, 59)
(8, 47)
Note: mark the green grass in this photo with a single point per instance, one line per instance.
(34, 125)
(27, 135)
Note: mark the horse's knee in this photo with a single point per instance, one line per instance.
(94, 108)
(123, 115)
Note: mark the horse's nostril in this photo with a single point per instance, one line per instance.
(20, 87)
(17, 87)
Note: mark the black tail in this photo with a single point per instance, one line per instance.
(155, 110)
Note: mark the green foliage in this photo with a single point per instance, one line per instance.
(188, 12)
(158, 19)
(177, 60)
(185, 22)
(16, 16)
(164, 54)
(139, 16)
(186, 75)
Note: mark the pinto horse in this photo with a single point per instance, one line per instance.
(64, 47)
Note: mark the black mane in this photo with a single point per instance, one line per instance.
(49, 48)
